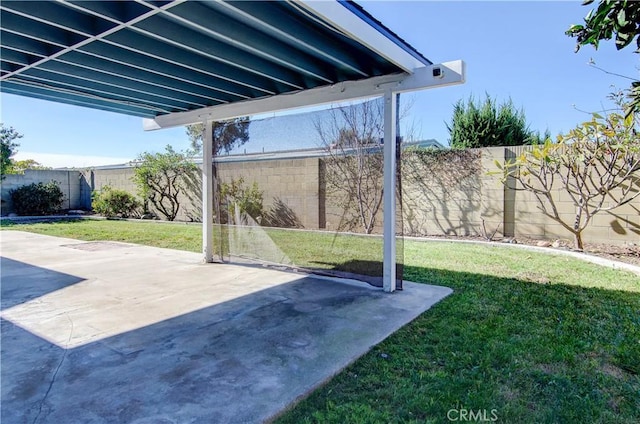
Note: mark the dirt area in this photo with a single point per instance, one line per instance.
(629, 253)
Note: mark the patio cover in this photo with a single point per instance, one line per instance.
(180, 62)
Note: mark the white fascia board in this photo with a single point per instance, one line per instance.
(450, 73)
(356, 28)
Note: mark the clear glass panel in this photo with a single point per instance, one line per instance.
(305, 192)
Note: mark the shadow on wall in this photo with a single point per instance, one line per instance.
(87, 186)
(193, 192)
(443, 192)
(281, 215)
(630, 226)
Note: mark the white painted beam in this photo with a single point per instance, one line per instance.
(207, 192)
(389, 193)
(450, 73)
(346, 22)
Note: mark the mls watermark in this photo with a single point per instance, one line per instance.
(473, 415)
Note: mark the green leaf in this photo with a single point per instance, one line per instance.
(628, 120)
(622, 18)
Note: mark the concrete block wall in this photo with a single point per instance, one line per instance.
(480, 204)
(294, 183)
(122, 179)
(435, 204)
(69, 182)
(443, 198)
(495, 214)
(618, 226)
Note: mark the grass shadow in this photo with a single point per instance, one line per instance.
(358, 269)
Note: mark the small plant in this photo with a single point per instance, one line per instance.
(112, 202)
(247, 200)
(37, 198)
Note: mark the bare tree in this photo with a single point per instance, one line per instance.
(597, 164)
(354, 164)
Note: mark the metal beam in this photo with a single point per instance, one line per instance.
(91, 39)
(210, 22)
(112, 79)
(17, 88)
(98, 89)
(296, 32)
(358, 29)
(389, 193)
(226, 78)
(207, 192)
(445, 74)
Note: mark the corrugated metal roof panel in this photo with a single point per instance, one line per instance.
(151, 58)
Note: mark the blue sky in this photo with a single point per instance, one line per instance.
(512, 49)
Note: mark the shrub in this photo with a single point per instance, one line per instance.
(248, 200)
(488, 124)
(112, 202)
(37, 198)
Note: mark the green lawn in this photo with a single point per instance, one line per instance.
(526, 337)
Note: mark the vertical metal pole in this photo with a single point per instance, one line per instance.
(207, 192)
(389, 224)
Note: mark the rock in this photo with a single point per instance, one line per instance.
(556, 244)
(543, 243)
(76, 212)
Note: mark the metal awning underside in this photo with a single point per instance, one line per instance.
(155, 58)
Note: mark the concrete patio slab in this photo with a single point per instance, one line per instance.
(104, 332)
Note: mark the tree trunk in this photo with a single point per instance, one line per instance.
(577, 241)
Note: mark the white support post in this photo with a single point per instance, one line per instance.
(389, 224)
(207, 192)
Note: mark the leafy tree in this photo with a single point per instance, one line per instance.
(612, 19)
(161, 179)
(487, 124)
(8, 148)
(354, 164)
(19, 166)
(226, 135)
(597, 164)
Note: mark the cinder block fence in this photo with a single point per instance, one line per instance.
(460, 198)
